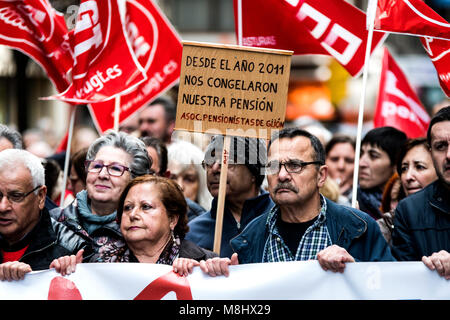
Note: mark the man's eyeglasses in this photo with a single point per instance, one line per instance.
(17, 197)
(113, 169)
(208, 164)
(291, 166)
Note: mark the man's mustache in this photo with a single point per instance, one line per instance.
(285, 185)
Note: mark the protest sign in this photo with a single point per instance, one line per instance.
(298, 280)
(232, 90)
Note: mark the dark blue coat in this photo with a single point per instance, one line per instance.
(422, 224)
(351, 229)
(202, 228)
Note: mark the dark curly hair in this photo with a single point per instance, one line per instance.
(171, 197)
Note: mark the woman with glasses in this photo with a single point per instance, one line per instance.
(112, 161)
(152, 214)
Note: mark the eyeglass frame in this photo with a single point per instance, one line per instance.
(88, 162)
(301, 163)
(22, 196)
(209, 166)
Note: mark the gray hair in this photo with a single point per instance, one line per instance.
(12, 136)
(11, 157)
(187, 154)
(140, 163)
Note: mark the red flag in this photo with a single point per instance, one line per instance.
(105, 65)
(158, 49)
(335, 28)
(439, 52)
(410, 17)
(36, 29)
(397, 104)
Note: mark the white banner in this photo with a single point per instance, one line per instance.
(264, 281)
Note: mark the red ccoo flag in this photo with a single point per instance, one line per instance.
(439, 52)
(36, 29)
(105, 65)
(397, 104)
(410, 17)
(414, 17)
(158, 49)
(334, 28)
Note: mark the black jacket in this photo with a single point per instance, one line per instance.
(422, 223)
(47, 241)
(188, 249)
(108, 233)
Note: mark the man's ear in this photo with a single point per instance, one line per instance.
(322, 175)
(41, 196)
(170, 127)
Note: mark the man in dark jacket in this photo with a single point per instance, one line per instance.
(29, 238)
(422, 220)
(304, 224)
(245, 200)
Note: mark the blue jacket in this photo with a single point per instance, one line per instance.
(194, 209)
(351, 229)
(202, 228)
(422, 224)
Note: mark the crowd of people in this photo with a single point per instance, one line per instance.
(145, 196)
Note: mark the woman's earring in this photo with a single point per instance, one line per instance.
(173, 237)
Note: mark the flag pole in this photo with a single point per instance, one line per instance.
(371, 11)
(116, 113)
(67, 157)
(239, 19)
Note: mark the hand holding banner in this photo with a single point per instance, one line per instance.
(397, 104)
(297, 280)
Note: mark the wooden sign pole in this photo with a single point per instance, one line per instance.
(222, 194)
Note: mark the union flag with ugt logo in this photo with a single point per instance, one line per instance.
(104, 63)
(157, 46)
(36, 29)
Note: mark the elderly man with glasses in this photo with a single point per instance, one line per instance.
(29, 238)
(303, 224)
